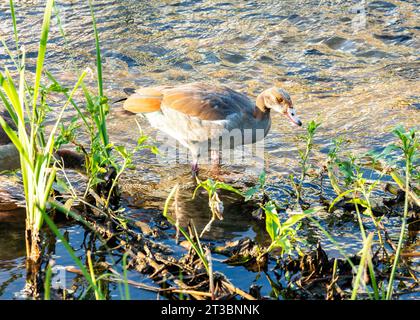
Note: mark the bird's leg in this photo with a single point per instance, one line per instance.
(194, 165)
(194, 168)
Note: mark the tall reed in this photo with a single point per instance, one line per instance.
(102, 101)
(409, 146)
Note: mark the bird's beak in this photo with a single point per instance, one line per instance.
(290, 114)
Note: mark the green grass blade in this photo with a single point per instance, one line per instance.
(42, 50)
(338, 198)
(14, 138)
(98, 293)
(47, 283)
(15, 32)
(390, 288)
(98, 52)
(126, 286)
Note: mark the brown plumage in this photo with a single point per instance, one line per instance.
(196, 100)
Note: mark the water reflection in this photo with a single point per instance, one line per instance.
(12, 233)
(12, 252)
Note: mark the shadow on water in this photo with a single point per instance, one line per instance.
(12, 232)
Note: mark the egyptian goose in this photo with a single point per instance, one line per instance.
(198, 113)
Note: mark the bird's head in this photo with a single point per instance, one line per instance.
(278, 100)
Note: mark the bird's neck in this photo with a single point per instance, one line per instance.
(260, 114)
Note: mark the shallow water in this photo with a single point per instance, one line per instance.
(354, 65)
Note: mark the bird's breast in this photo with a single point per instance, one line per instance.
(236, 129)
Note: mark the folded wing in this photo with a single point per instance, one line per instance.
(203, 101)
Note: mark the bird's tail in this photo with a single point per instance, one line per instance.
(119, 100)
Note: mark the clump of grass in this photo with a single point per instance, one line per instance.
(28, 109)
(358, 192)
(35, 149)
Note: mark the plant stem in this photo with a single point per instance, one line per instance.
(403, 225)
(362, 264)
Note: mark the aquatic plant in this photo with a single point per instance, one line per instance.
(366, 260)
(259, 187)
(408, 146)
(283, 235)
(103, 167)
(127, 157)
(28, 106)
(36, 149)
(304, 157)
(360, 191)
(331, 163)
(204, 254)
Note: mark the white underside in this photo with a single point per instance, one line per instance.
(195, 134)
